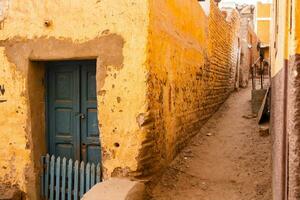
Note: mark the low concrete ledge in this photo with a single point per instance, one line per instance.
(116, 189)
(10, 193)
(257, 98)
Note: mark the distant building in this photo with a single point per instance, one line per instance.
(227, 5)
(263, 24)
(247, 38)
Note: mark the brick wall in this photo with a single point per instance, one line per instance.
(192, 62)
(223, 38)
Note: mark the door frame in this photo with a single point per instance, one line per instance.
(29, 66)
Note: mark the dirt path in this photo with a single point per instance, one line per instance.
(227, 160)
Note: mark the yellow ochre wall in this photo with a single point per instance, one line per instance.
(78, 30)
(192, 63)
(163, 68)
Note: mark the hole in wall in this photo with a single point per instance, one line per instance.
(117, 144)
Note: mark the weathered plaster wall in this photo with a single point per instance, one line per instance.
(113, 33)
(192, 61)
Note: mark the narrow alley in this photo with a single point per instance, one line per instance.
(228, 160)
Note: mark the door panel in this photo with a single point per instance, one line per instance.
(89, 124)
(72, 110)
(63, 104)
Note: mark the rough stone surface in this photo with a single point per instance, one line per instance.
(116, 189)
(293, 124)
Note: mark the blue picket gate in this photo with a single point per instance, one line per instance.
(67, 180)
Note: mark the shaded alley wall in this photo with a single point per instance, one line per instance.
(192, 63)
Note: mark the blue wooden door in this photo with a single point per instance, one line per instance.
(90, 147)
(72, 110)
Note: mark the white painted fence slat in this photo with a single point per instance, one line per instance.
(81, 191)
(70, 179)
(46, 188)
(52, 164)
(93, 173)
(98, 173)
(57, 175)
(76, 171)
(62, 179)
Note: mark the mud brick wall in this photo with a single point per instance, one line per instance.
(223, 41)
(192, 62)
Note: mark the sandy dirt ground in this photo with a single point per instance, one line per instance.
(227, 160)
